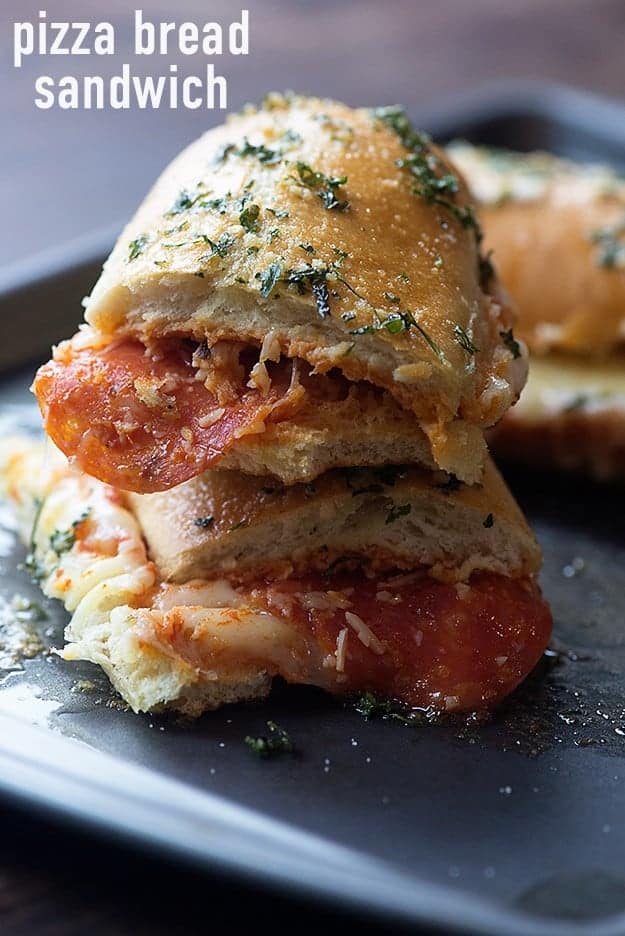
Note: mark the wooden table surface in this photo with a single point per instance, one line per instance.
(66, 173)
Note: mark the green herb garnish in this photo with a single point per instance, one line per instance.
(396, 512)
(398, 322)
(204, 522)
(488, 522)
(269, 278)
(432, 180)
(486, 269)
(511, 343)
(61, 541)
(248, 217)
(260, 151)
(611, 243)
(450, 485)
(137, 246)
(278, 742)
(219, 248)
(464, 341)
(370, 706)
(315, 278)
(326, 186)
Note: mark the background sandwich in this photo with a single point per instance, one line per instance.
(557, 230)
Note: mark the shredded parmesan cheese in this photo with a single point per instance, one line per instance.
(364, 633)
(211, 418)
(259, 378)
(341, 649)
(148, 393)
(270, 350)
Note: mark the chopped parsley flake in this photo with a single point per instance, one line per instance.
(204, 522)
(398, 322)
(278, 742)
(220, 247)
(137, 246)
(611, 243)
(402, 510)
(488, 521)
(222, 153)
(61, 541)
(260, 151)
(511, 343)
(450, 485)
(315, 278)
(326, 186)
(248, 218)
(269, 278)
(432, 180)
(187, 201)
(464, 341)
(486, 269)
(369, 706)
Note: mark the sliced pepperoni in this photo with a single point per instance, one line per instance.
(142, 422)
(436, 645)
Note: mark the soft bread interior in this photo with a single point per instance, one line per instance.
(227, 523)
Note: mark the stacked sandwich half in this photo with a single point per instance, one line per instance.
(271, 430)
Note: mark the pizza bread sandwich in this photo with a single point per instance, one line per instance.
(301, 290)
(266, 452)
(557, 230)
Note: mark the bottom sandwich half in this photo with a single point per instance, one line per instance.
(402, 583)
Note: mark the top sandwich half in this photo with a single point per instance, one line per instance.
(302, 289)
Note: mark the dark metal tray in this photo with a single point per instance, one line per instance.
(516, 826)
